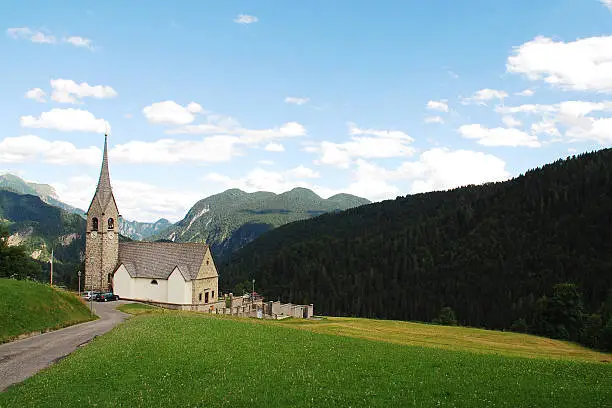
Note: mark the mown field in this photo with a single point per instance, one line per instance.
(27, 306)
(173, 359)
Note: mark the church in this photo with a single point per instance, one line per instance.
(167, 273)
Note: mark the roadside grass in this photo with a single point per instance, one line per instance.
(139, 308)
(27, 307)
(450, 338)
(192, 360)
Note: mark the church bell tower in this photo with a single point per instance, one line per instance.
(102, 233)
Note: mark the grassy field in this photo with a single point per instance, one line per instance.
(192, 360)
(29, 306)
(450, 338)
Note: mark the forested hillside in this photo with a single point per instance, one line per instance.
(492, 253)
(231, 219)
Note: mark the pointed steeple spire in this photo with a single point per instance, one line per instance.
(104, 192)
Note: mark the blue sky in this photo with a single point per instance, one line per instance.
(376, 99)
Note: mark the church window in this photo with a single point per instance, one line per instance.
(153, 282)
(94, 224)
(200, 297)
(206, 297)
(207, 262)
(213, 294)
(111, 223)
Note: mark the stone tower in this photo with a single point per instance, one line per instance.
(102, 239)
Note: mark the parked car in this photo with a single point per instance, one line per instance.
(106, 297)
(90, 294)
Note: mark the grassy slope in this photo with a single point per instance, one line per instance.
(185, 359)
(29, 306)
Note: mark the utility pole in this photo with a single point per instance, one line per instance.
(51, 270)
(79, 273)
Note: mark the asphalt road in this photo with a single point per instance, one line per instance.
(23, 358)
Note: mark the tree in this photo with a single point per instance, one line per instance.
(14, 262)
(446, 317)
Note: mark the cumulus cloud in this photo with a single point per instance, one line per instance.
(213, 149)
(301, 172)
(68, 91)
(37, 94)
(607, 3)
(498, 136)
(581, 65)
(137, 200)
(170, 112)
(363, 143)
(31, 148)
(67, 120)
(245, 19)
(295, 100)
(441, 106)
(572, 116)
(482, 96)
(274, 147)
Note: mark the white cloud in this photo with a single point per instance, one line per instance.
(364, 143)
(229, 126)
(296, 100)
(67, 120)
(434, 119)
(170, 112)
(573, 116)
(79, 41)
(607, 3)
(301, 172)
(526, 92)
(441, 169)
(482, 96)
(511, 121)
(441, 106)
(25, 33)
(259, 179)
(37, 94)
(31, 148)
(136, 200)
(68, 91)
(213, 149)
(40, 37)
(245, 19)
(274, 147)
(581, 65)
(498, 136)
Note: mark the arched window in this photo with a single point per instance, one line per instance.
(153, 282)
(94, 224)
(111, 223)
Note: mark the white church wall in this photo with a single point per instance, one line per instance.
(150, 289)
(123, 283)
(179, 291)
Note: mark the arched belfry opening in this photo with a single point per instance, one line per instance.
(94, 224)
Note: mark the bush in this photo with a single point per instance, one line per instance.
(446, 317)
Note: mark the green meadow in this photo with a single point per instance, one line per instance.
(27, 306)
(171, 359)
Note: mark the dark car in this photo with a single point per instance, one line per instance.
(106, 297)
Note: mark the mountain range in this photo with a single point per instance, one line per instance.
(231, 219)
(226, 221)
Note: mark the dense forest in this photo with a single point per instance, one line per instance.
(531, 254)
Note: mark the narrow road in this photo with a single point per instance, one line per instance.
(23, 358)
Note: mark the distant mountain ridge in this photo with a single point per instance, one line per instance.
(132, 229)
(231, 219)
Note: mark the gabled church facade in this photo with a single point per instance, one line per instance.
(161, 272)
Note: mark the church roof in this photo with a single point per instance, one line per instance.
(157, 260)
(104, 191)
